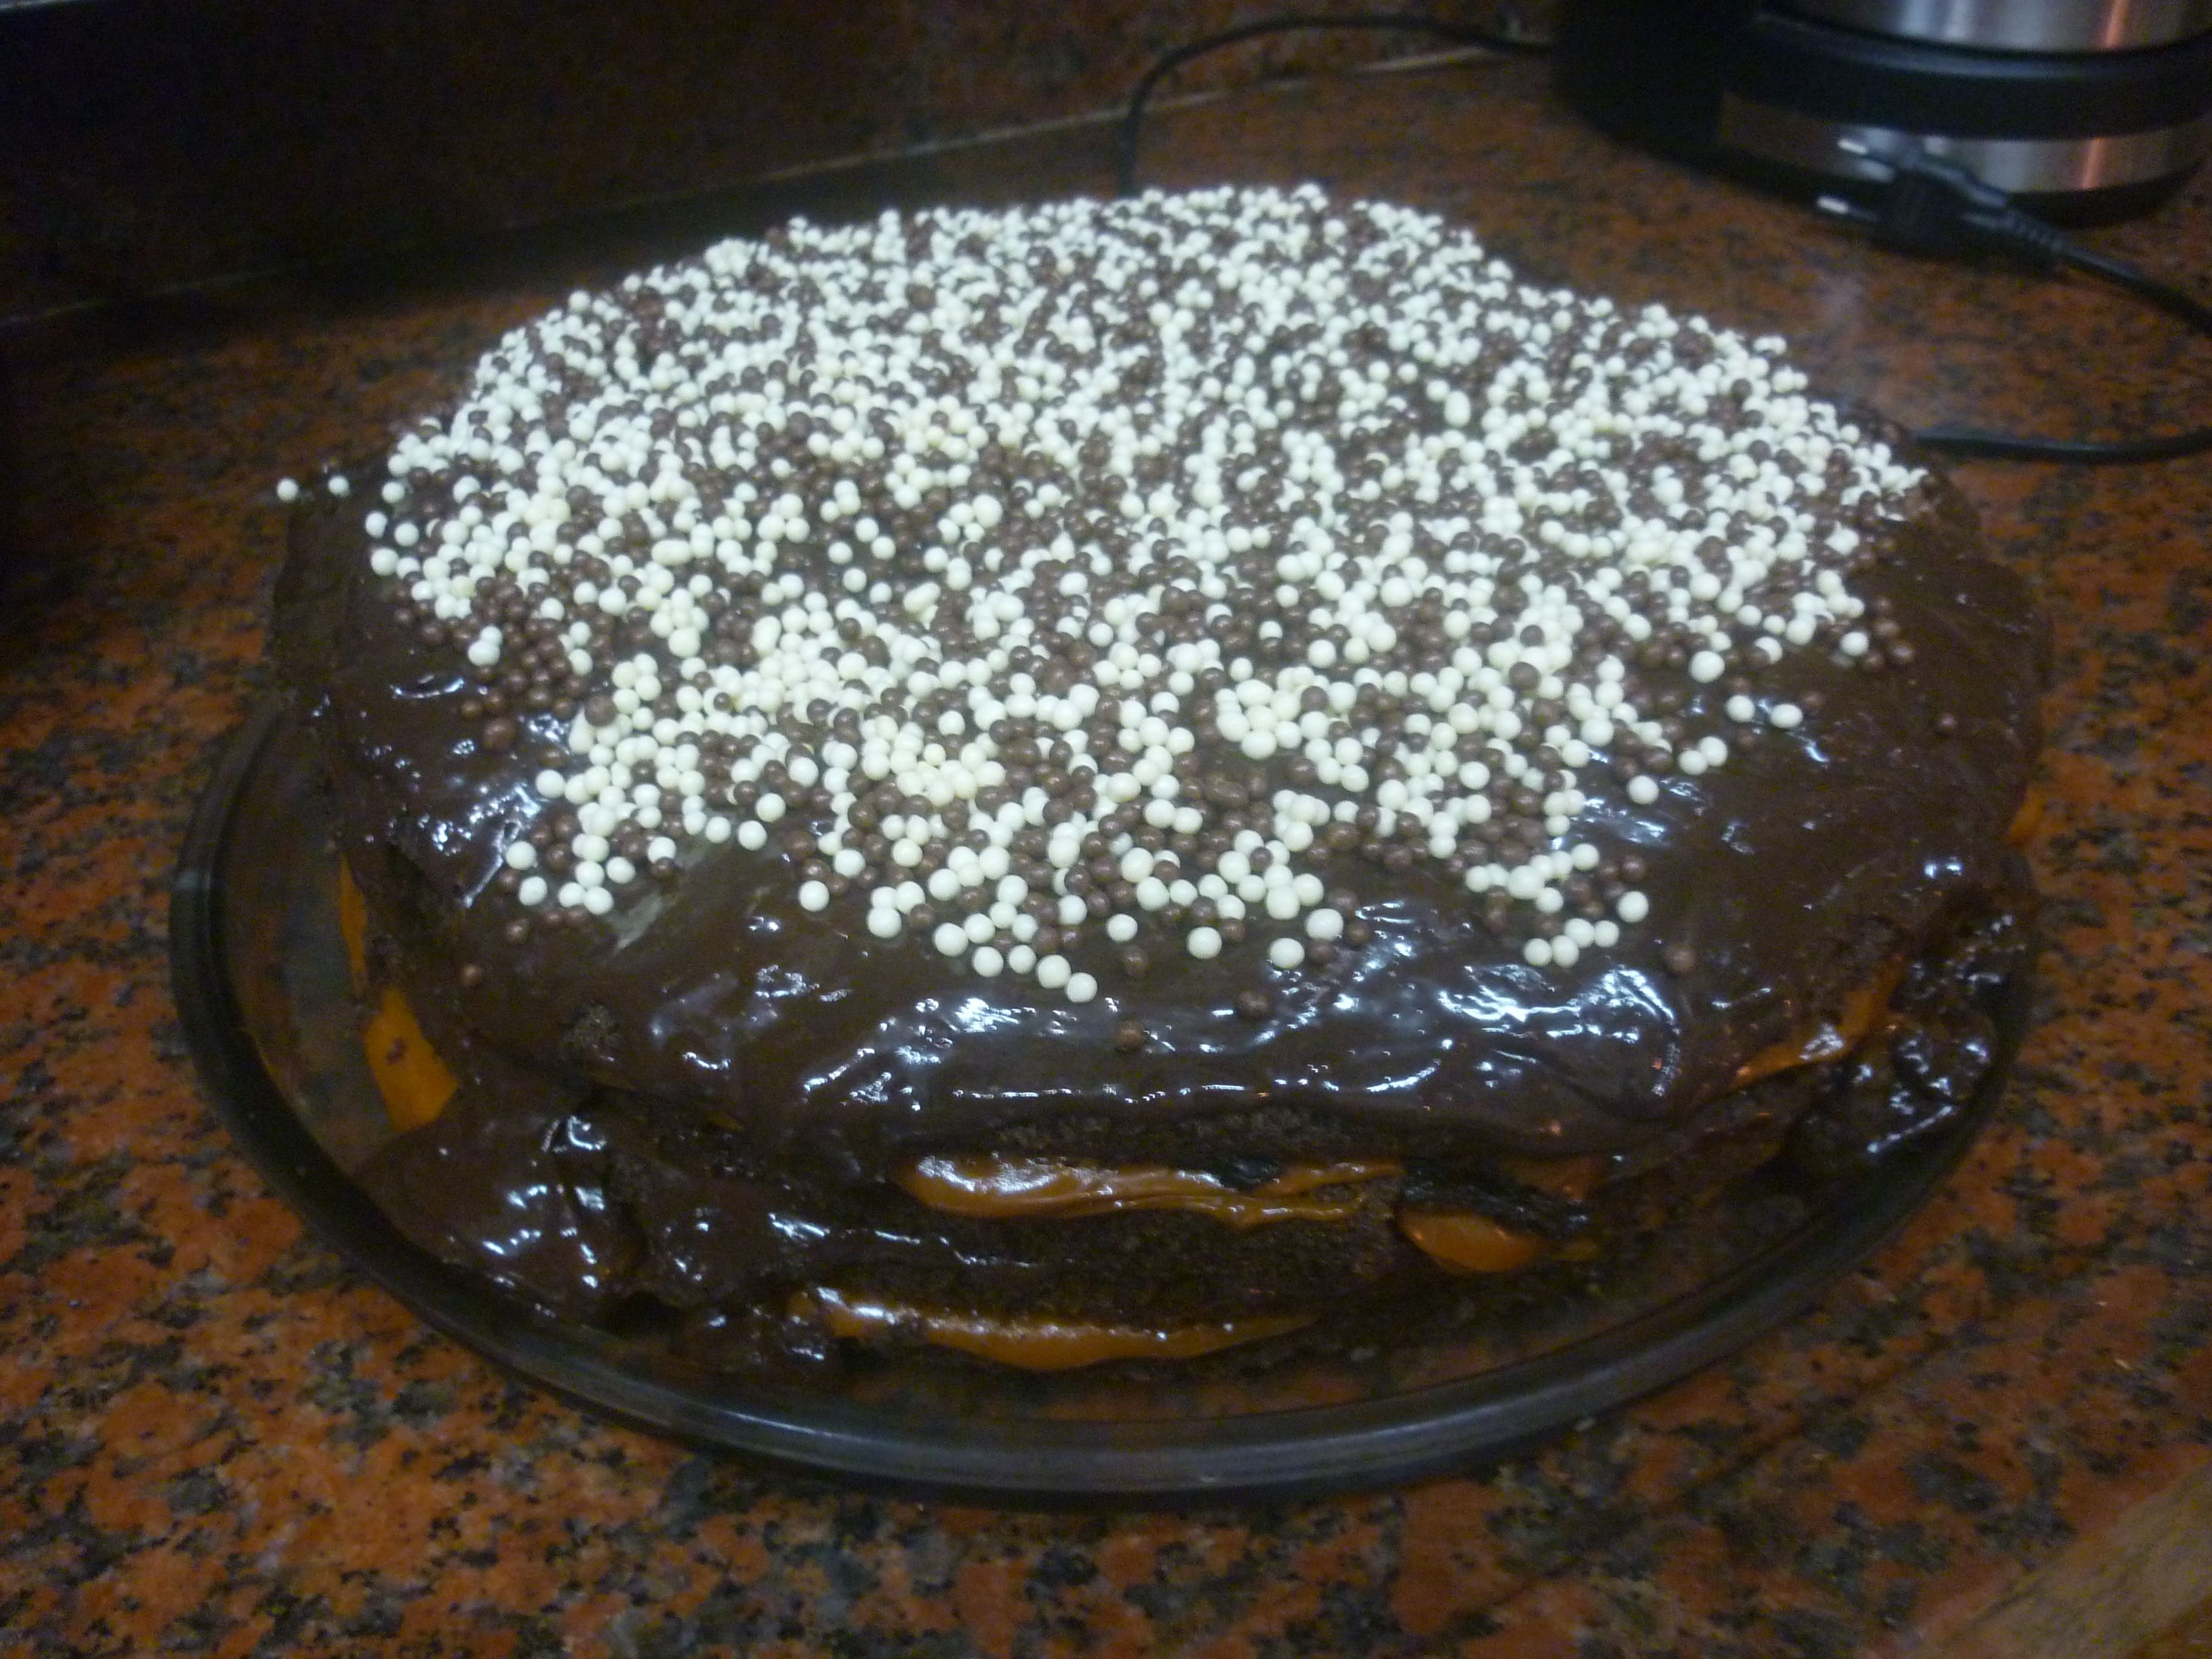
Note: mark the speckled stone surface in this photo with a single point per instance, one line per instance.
(215, 1438)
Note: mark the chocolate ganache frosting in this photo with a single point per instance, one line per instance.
(1077, 678)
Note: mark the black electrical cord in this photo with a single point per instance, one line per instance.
(1923, 204)
(1132, 120)
(1926, 204)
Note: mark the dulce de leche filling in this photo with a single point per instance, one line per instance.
(1826, 1039)
(1035, 1342)
(1468, 1244)
(1004, 1188)
(1030, 1188)
(416, 1083)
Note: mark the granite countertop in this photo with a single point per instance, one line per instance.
(215, 1439)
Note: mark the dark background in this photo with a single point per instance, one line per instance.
(175, 169)
(151, 145)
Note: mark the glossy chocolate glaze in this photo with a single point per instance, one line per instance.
(589, 1200)
(1791, 873)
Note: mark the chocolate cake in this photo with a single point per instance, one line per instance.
(1096, 780)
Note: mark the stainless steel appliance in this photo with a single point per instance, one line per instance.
(2083, 109)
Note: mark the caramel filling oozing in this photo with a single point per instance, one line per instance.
(1570, 1178)
(1829, 1039)
(1032, 1342)
(1465, 1243)
(1000, 1189)
(1003, 1189)
(414, 1081)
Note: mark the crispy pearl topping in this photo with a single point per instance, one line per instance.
(1065, 589)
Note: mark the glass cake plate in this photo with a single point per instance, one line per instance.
(261, 979)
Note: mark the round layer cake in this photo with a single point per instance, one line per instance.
(1093, 780)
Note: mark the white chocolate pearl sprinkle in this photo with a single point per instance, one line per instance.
(1082, 987)
(950, 938)
(1286, 953)
(605, 481)
(531, 892)
(1204, 943)
(1785, 716)
(287, 490)
(1632, 907)
(986, 960)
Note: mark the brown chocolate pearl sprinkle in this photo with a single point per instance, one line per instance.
(1096, 561)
